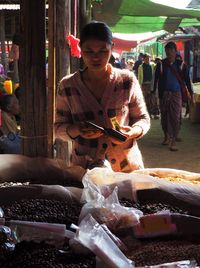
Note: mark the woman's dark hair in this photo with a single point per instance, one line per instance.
(96, 30)
(5, 102)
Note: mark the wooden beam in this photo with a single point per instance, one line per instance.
(51, 74)
(63, 28)
(33, 78)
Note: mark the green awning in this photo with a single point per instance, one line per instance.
(137, 16)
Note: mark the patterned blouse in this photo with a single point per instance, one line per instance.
(122, 98)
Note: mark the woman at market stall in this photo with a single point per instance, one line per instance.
(9, 132)
(106, 96)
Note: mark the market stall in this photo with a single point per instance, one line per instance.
(114, 220)
(195, 109)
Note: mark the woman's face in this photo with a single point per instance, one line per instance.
(96, 54)
(14, 107)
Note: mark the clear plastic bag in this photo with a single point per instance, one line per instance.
(181, 187)
(93, 236)
(50, 233)
(178, 264)
(127, 183)
(107, 210)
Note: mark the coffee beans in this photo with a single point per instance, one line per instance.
(152, 208)
(33, 255)
(142, 252)
(152, 252)
(30, 254)
(42, 210)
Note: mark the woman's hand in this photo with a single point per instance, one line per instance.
(130, 132)
(87, 132)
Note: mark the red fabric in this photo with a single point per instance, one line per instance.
(121, 44)
(74, 45)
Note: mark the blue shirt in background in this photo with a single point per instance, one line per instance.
(172, 84)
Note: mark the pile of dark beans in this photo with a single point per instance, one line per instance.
(33, 255)
(42, 210)
(143, 252)
(147, 252)
(152, 208)
(164, 250)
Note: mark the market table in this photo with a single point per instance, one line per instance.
(195, 109)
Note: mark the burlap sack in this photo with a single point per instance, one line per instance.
(38, 170)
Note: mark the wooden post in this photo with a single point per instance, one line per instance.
(33, 78)
(63, 28)
(75, 30)
(84, 16)
(85, 12)
(51, 74)
(2, 39)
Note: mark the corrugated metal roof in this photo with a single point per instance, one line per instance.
(13, 6)
(9, 7)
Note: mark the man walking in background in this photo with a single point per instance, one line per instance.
(137, 64)
(146, 72)
(170, 76)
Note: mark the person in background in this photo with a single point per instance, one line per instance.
(112, 60)
(14, 56)
(146, 72)
(169, 75)
(137, 64)
(187, 104)
(106, 96)
(130, 64)
(2, 71)
(9, 133)
(123, 64)
(157, 60)
(117, 63)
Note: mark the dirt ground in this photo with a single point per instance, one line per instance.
(157, 155)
